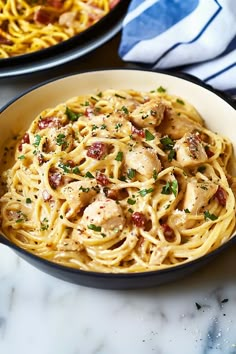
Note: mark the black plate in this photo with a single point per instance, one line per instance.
(71, 49)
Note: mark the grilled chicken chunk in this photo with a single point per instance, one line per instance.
(190, 150)
(150, 113)
(143, 160)
(104, 213)
(175, 126)
(198, 194)
(79, 194)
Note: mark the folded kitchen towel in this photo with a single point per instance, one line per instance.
(198, 36)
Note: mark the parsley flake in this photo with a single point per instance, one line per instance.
(144, 192)
(119, 156)
(208, 215)
(149, 136)
(72, 115)
(180, 101)
(37, 140)
(94, 227)
(131, 173)
(131, 201)
(161, 89)
(89, 175)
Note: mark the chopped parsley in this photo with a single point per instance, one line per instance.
(94, 227)
(131, 201)
(180, 101)
(131, 173)
(60, 139)
(76, 170)
(37, 140)
(99, 94)
(149, 136)
(161, 89)
(94, 98)
(130, 210)
(103, 126)
(144, 192)
(171, 155)
(125, 110)
(65, 167)
(119, 156)
(170, 188)
(89, 175)
(155, 174)
(21, 157)
(44, 224)
(94, 127)
(208, 215)
(118, 126)
(72, 115)
(28, 201)
(117, 95)
(187, 211)
(167, 142)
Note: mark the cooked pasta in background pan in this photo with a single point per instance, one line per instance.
(30, 25)
(120, 182)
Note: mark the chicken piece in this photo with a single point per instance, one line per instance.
(67, 19)
(62, 137)
(104, 213)
(149, 113)
(190, 151)
(143, 160)
(79, 194)
(175, 126)
(198, 194)
(158, 255)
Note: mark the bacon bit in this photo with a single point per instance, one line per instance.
(221, 196)
(55, 178)
(24, 140)
(43, 16)
(6, 41)
(111, 193)
(97, 150)
(89, 112)
(139, 132)
(102, 179)
(114, 3)
(40, 159)
(168, 232)
(208, 151)
(57, 4)
(138, 219)
(49, 122)
(71, 163)
(46, 196)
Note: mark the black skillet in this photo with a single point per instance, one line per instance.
(132, 280)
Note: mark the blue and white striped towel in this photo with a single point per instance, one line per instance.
(197, 35)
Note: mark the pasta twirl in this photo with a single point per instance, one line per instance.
(119, 181)
(30, 25)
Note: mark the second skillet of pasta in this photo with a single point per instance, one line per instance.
(30, 25)
(119, 181)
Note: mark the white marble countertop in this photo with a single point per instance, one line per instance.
(43, 315)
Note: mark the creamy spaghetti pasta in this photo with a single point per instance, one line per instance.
(119, 181)
(30, 25)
